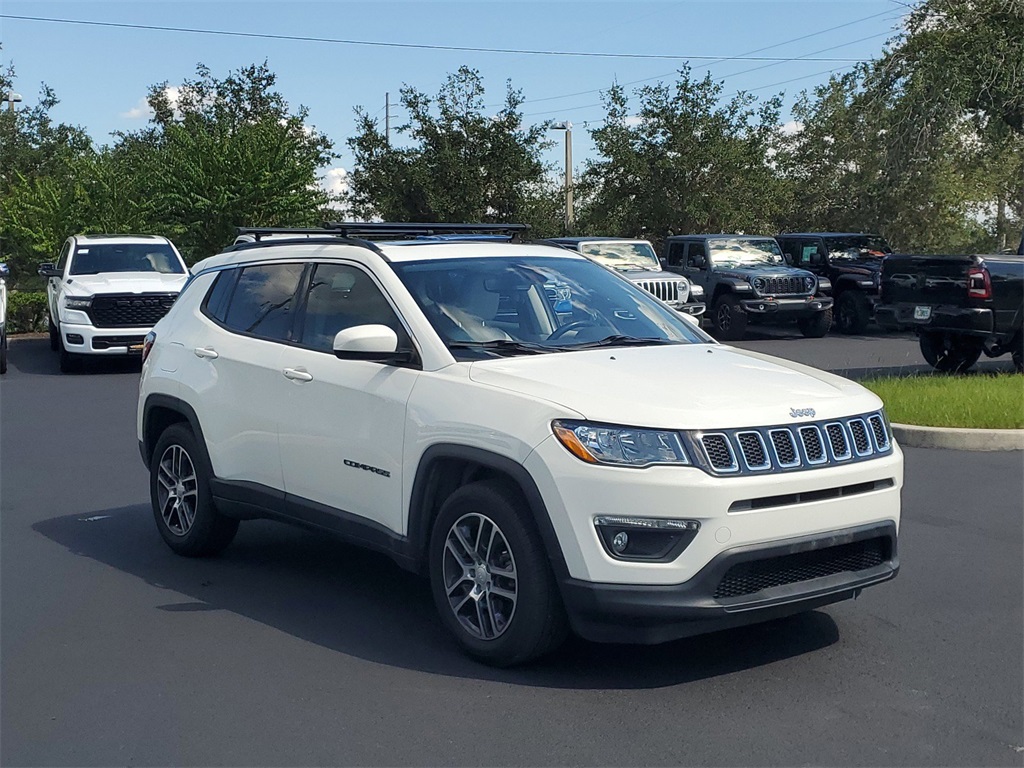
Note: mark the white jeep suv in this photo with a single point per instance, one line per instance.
(106, 292)
(551, 446)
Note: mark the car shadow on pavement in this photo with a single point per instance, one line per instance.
(32, 356)
(361, 604)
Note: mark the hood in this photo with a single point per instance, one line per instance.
(769, 270)
(124, 282)
(687, 386)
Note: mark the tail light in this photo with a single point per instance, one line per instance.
(147, 345)
(979, 284)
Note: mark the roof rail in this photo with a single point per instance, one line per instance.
(419, 229)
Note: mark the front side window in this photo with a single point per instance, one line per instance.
(342, 296)
(62, 260)
(857, 247)
(131, 257)
(622, 255)
(264, 300)
(745, 252)
(482, 307)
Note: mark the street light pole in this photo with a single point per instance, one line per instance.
(569, 218)
(12, 99)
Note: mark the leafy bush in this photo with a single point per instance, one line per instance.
(26, 311)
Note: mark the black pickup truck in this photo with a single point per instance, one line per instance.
(960, 306)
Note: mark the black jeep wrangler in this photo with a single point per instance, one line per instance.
(745, 278)
(851, 261)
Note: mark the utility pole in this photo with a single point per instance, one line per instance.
(569, 219)
(387, 117)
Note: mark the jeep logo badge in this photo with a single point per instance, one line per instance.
(796, 413)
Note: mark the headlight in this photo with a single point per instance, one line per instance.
(620, 446)
(72, 303)
(810, 283)
(759, 284)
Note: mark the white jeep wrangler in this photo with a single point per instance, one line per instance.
(106, 292)
(550, 445)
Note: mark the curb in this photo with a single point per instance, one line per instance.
(959, 439)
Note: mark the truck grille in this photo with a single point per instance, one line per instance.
(110, 310)
(783, 448)
(669, 291)
(758, 575)
(779, 286)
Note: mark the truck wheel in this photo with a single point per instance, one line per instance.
(729, 319)
(491, 579)
(817, 325)
(54, 336)
(69, 362)
(179, 489)
(3, 351)
(948, 352)
(853, 312)
(1018, 352)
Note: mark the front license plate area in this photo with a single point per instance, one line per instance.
(134, 349)
(922, 313)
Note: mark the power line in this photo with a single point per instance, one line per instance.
(718, 61)
(417, 46)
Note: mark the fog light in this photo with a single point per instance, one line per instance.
(74, 338)
(620, 541)
(645, 538)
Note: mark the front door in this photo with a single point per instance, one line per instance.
(342, 422)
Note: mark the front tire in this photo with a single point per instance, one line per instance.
(3, 351)
(729, 319)
(179, 489)
(491, 579)
(54, 336)
(949, 353)
(69, 362)
(853, 312)
(817, 325)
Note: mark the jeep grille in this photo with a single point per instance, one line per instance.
(669, 291)
(779, 286)
(786, 448)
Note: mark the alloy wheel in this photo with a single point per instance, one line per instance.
(480, 578)
(724, 317)
(177, 490)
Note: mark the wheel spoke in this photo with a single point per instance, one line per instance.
(456, 584)
(502, 592)
(491, 615)
(481, 622)
(464, 559)
(463, 543)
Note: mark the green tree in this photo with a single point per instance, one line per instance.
(459, 163)
(229, 152)
(683, 162)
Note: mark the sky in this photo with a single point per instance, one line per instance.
(102, 74)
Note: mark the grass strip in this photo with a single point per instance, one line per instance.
(979, 401)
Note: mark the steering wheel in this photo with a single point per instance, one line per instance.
(571, 327)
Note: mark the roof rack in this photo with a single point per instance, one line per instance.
(367, 229)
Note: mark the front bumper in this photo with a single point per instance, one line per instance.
(768, 305)
(694, 308)
(655, 614)
(83, 339)
(942, 317)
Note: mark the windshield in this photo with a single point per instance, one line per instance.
(744, 252)
(622, 255)
(488, 307)
(857, 246)
(130, 257)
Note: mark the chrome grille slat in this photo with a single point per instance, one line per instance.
(719, 452)
(879, 432)
(837, 441)
(785, 448)
(861, 441)
(753, 450)
(813, 445)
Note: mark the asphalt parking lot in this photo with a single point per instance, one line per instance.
(292, 649)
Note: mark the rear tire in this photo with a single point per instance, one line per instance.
(54, 336)
(852, 313)
(816, 326)
(1018, 351)
(949, 353)
(179, 489)
(729, 319)
(490, 576)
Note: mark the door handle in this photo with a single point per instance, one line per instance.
(206, 352)
(297, 374)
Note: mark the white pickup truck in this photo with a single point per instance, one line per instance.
(106, 292)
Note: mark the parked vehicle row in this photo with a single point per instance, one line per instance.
(472, 409)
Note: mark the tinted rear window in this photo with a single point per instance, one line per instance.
(263, 302)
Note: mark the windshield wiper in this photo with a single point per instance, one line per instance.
(621, 341)
(502, 346)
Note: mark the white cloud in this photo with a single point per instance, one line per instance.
(792, 128)
(634, 120)
(335, 181)
(142, 110)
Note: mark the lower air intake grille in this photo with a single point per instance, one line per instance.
(758, 575)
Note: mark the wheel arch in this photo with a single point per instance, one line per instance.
(444, 468)
(160, 412)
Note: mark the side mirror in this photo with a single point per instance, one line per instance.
(48, 269)
(369, 342)
(664, 263)
(4, 270)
